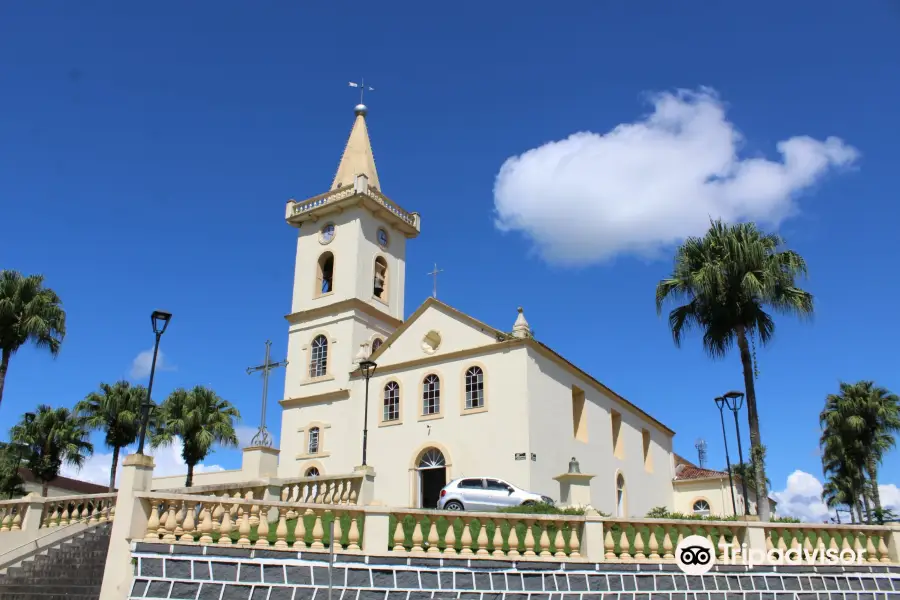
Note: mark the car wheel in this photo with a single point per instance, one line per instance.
(528, 503)
(453, 505)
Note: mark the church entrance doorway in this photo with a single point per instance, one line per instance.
(432, 470)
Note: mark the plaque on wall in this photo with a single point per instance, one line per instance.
(520, 456)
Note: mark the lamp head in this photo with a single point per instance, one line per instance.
(734, 400)
(720, 402)
(367, 367)
(160, 320)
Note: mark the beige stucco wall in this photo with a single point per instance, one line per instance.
(714, 491)
(553, 440)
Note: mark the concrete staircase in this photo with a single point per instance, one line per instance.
(70, 570)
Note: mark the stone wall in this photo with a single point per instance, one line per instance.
(218, 573)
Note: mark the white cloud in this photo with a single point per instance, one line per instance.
(646, 185)
(167, 461)
(140, 366)
(802, 498)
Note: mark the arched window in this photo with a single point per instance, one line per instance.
(318, 357)
(312, 472)
(376, 344)
(431, 395)
(325, 274)
(313, 440)
(474, 387)
(392, 401)
(701, 507)
(379, 289)
(620, 496)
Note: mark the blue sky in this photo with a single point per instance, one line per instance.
(146, 153)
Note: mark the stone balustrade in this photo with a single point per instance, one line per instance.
(505, 535)
(331, 489)
(11, 514)
(57, 511)
(868, 541)
(229, 521)
(630, 540)
(334, 196)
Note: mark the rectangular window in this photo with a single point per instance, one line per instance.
(431, 395)
(392, 401)
(616, 434)
(648, 458)
(579, 416)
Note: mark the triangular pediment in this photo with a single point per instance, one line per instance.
(435, 329)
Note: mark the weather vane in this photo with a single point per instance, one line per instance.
(362, 88)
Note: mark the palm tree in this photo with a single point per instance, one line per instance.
(115, 410)
(858, 428)
(11, 482)
(52, 436)
(201, 419)
(728, 279)
(29, 312)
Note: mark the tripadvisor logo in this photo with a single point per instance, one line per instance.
(695, 555)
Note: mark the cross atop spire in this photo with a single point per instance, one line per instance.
(357, 158)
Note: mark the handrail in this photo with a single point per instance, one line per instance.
(45, 499)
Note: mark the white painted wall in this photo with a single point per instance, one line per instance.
(553, 441)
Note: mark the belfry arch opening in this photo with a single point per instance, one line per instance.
(431, 471)
(325, 274)
(379, 285)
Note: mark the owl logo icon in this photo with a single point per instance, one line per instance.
(695, 555)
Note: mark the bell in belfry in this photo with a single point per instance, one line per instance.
(573, 466)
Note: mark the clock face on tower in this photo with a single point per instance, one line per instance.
(382, 238)
(327, 233)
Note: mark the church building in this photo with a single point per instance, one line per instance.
(450, 396)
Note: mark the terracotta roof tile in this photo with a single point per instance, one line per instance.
(65, 483)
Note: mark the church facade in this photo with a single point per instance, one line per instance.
(450, 396)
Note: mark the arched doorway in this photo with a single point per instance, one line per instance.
(432, 477)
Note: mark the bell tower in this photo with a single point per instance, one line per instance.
(350, 271)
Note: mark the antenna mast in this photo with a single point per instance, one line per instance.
(700, 445)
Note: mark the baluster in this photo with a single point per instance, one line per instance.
(638, 544)
(187, 526)
(345, 495)
(450, 538)
(783, 537)
(871, 552)
(654, 544)
(281, 530)
(797, 543)
(244, 528)
(64, 517)
(466, 538)
(318, 532)
(112, 510)
(338, 541)
(529, 538)
(206, 525)
(807, 542)
(498, 538)
(354, 495)
(624, 546)
(857, 546)
(300, 533)
(513, 539)
(6, 521)
(321, 491)
(171, 524)
(574, 542)
(225, 529)
(103, 509)
(163, 517)
(417, 538)
(45, 516)
(770, 545)
(17, 520)
(559, 542)
(54, 518)
(152, 534)
(353, 536)
(433, 539)
(92, 513)
(217, 516)
(883, 548)
(545, 538)
(400, 534)
(84, 513)
(262, 530)
(179, 519)
(254, 511)
(482, 539)
(609, 546)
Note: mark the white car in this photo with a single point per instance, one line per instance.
(485, 494)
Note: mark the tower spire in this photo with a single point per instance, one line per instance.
(357, 158)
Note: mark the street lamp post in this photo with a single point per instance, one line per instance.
(160, 321)
(720, 402)
(734, 401)
(368, 369)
